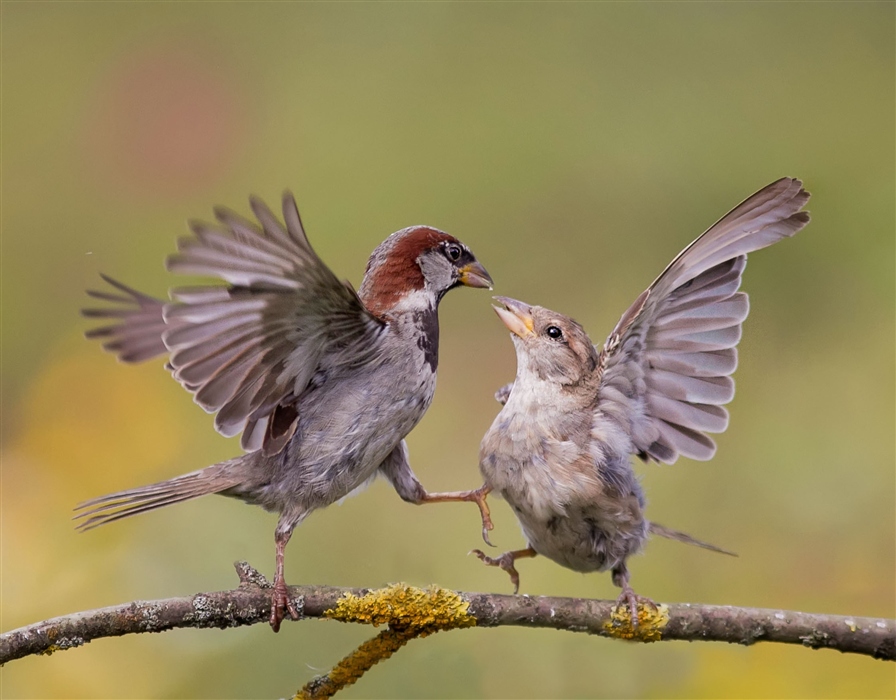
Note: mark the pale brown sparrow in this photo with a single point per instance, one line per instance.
(559, 450)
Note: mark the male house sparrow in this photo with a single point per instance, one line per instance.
(558, 451)
(323, 383)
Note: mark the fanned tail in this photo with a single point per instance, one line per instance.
(115, 506)
(670, 534)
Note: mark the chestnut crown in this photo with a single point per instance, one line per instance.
(418, 259)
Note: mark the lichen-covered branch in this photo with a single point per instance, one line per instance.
(249, 604)
(356, 664)
(409, 612)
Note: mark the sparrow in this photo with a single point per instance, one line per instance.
(323, 383)
(559, 450)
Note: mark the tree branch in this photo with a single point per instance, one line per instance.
(356, 664)
(413, 612)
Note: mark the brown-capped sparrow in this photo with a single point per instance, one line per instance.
(324, 383)
(559, 450)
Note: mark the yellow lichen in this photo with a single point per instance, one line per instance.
(410, 612)
(651, 623)
(356, 664)
(406, 607)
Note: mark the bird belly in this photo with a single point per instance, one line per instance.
(573, 523)
(568, 514)
(583, 539)
(342, 437)
(572, 510)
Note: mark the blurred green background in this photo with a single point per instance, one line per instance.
(576, 148)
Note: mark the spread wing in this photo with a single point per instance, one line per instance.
(667, 365)
(137, 323)
(246, 350)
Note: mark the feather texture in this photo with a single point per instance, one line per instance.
(667, 365)
(123, 504)
(245, 348)
(136, 335)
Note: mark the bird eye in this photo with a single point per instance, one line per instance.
(554, 333)
(453, 252)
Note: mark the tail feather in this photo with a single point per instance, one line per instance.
(115, 506)
(669, 533)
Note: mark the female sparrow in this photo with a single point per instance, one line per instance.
(559, 450)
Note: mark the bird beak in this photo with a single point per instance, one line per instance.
(516, 315)
(474, 275)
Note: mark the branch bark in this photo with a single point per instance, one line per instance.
(416, 614)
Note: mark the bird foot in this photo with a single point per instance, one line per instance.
(479, 498)
(631, 599)
(504, 562)
(280, 604)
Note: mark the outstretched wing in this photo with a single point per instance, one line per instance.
(135, 334)
(247, 350)
(667, 365)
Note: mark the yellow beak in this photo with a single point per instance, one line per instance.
(516, 315)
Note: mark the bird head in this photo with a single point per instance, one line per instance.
(550, 347)
(415, 267)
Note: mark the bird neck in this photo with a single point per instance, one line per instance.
(414, 319)
(535, 394)
(416, 301)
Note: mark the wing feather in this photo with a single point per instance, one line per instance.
(667, 365)
(712, 390)
(137, 334)
(675, 340)
(246, 348)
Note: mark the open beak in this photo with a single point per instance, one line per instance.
(516, 315)
(474, 275)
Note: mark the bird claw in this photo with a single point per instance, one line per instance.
(281, 603)
(631, 599)
(504, 562)
(487, 525)
(479, 497)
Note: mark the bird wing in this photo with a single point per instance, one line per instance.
(247, 350)
(137, 323)
(666, 367)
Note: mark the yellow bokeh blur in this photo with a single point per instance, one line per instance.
(120, 422)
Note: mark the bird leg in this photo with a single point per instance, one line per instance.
(628, 595)
(506, 561)
(280, 600)
(397, 470)
(477, 496)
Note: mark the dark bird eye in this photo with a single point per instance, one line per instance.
(554, 333)
(453, 252)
